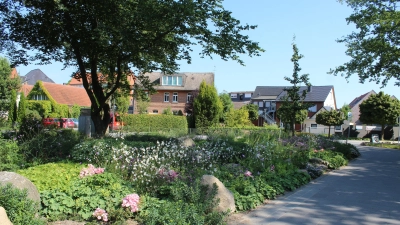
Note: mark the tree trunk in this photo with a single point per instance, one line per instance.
(382, 132)
(101, 120)
(329, 132)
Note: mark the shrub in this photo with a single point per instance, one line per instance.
(19, 208)
(348, 150)
(30, 127)
(334, 159)
(104, 191)
(152, 123)
(10, 159)
(53, 176)
(50, 145)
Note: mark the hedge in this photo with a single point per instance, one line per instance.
(153, 123)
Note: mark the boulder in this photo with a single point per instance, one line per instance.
(21, 183)
(226, 199)
(3, 217)
(187, 142)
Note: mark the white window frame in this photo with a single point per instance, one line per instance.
(171, 80)
(175, 97)
(247, 95)
(166, 96)
(260, 104)
(188, 97)
(233, 95)
(314, 126)
(313, 108)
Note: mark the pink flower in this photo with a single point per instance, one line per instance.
(172, 174)
(90, 171)
(132, 201)
(101, 214)
(272, 168)
(247, 174)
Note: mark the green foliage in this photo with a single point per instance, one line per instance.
(330, 118)
(12, 113)
(29, 128)
(147, 123)
(252, 110)
(345, 111)
(237, 118)
(293, 105)
(20, 210)
(187, 204)
(8, 85)
(104, 190)
(373, 48)
(227, 105)
(142, 106)
(167, 111)
(334, 159)
(49, 145)
(42, 107)
(21, 108)
(122, 103)
(75, 111)
(380, 109)
(207, 106)
(53, 176)
(10, 159)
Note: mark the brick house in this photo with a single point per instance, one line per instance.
(174, 90)
(240, 98)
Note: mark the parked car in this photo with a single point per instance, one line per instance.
(76, 122)
(47, 122)
(68, 123)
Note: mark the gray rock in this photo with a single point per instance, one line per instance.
(226, 199)
(21, 183)
(3, 217)
(187, 142)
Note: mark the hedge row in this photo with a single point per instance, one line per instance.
(147, 122)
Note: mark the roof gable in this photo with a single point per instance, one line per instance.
(316, 94)
(322, 109)
(190, 81)
(360, 98)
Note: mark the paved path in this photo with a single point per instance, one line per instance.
(365, 192)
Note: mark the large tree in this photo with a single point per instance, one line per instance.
(293, 108)
(330, 118)
(374, 49)
(8, 85)
(207, 106)
(114, 37)
(380, 109)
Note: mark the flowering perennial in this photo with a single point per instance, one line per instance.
(91, 170)
(101, 214)
(248, 174)
(132, 201)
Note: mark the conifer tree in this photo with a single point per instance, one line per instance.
(207, 106)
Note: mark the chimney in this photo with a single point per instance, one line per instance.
(309, 88)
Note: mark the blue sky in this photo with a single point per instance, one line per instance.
(316, 25)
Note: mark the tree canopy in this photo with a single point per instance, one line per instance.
(207, 106)
(380, 109)
(330, 118)
(227, 105)
(374, 47)
(293, 108)
(8, 85)
(115, 37)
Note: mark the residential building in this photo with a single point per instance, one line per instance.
(175, 90)
(240, 98)
(35, 75)
(269, 99)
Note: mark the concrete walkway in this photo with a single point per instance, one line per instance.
(365, 192)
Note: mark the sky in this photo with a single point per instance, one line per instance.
(317, 24)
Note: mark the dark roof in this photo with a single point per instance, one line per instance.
(360, 98)
(190, 81)
(267, 92)
(317, 93)
(35, 75)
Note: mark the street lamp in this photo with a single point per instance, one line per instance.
(349, 117)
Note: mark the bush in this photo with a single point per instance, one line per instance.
(104, 191)
(348, 150)
(152, 123)
(19, 208)
(53, 176)
(50, 145)
(10, 159)
(30, 127)
(334, 159)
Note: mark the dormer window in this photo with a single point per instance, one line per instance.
(172, 80)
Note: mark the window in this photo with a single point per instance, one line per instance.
(166, 97)
(175, 97)
(155, 111)
(233, 95)
(338, 127)
(260, 104)
(189, 97)
(312, 108)
(39, 97)
(247, 95)
(255, 103)
(314, 125)
(172, 80)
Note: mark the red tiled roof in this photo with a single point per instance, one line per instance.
(78, 81)
(69, 95)
(14, 73)
(26, 88)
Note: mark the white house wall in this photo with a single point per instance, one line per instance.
(320, 129)
(330, 100)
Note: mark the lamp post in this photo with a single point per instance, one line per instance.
(349, 117)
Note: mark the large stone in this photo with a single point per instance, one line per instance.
(21, 183)
(226, 198)
(4, 218)
(187, 142)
